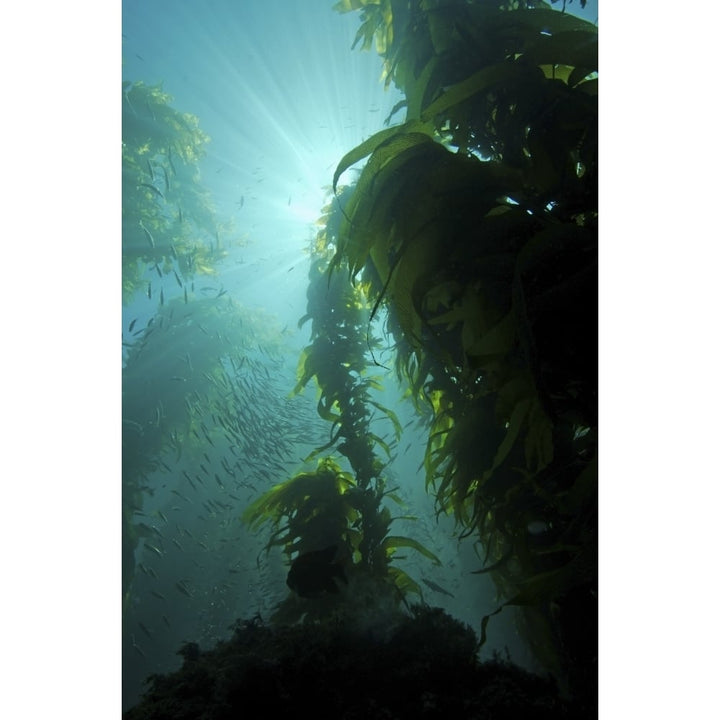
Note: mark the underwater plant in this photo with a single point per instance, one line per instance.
(170, 234)
(168, 222)
(474, 223)
(333, 520)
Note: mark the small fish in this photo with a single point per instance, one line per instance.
(177, 545)
(162, 516)
(149, 529)
(154, 549)
(132, 325)
(183, 589)
(434, 586)
(173, 251)
(170, 160)
(148, 235)
(158, 595)
(158, 270)
(149, 291)
(167, 179)
(166, 621)
(149, 186)
(137, 648)
(150, 170)
(145, 630)
(185, 295)
(162, 297)
(177, 277)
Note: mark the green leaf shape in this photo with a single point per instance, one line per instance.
(417, 90)
(574, 48)
(578, 75)
(391, 542)
(344, 6)
(395, 109)
(520, 412)
(483, 80)
(529, 23)
(376, 196)
(483, 626)
(391, 415)
(322, 486)
(497, 341)
(404, 582)
(375, 142)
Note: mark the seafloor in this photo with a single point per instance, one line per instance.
(424, 665)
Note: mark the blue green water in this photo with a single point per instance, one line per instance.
(280, 93)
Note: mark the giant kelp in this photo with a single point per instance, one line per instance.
(330, 507)
(475, 223)
(168, 222)
(472, 230)
(170, 234)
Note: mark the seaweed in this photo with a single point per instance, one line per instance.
(474, 224)
(332, 507)
(168, 220)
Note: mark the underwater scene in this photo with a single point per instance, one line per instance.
(359, 358)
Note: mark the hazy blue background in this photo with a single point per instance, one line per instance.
(283, 97)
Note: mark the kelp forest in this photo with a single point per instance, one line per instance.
(456, 260)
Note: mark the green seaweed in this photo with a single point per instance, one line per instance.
(474, 223)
